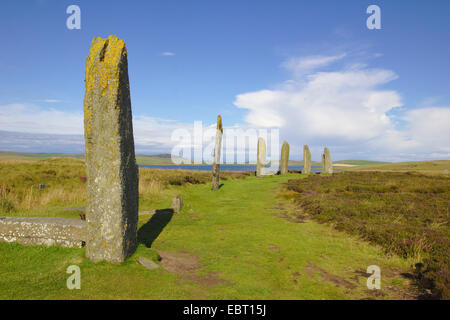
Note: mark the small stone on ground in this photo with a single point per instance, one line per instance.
(149, 264)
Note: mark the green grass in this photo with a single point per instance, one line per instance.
(241, 242)
(406, 213)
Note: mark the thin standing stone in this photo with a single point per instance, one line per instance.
(306, 160)
(323, 162)
(112, 173)
(327, 165)
(261, 157)
(284, 158)
(217, 148)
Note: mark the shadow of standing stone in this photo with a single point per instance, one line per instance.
(155, 225)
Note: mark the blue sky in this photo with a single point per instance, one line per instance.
(254, 62)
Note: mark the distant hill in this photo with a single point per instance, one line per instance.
(348, 162)
(360, 162)
(6, 155)
(429, 167)
(158, 159)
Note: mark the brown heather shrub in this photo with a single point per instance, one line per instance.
(406, 213)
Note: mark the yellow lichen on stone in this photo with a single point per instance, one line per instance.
(102, 64)
(219, 123)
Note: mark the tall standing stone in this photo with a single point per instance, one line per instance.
(112, 173)
(261, 157)
(306, 160)
(284, 158)
(327, 165)
(217, 148)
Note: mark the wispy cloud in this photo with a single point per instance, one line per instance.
(52, 100)
(304, 65)
(167, 53)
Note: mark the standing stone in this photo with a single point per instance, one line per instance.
(112, 173)
(177, 204)
(261, 157)
(284, 158)
(217, 148)
(323, 162)
(306, 160)
(327, 165)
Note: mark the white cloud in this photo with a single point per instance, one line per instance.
(348, 111)
(304, 65)
(167, 54)
(430, 127)
(29, 127)
(30, 118)
(343, 105)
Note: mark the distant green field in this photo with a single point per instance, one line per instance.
(162, 159)
(141, 159)
(430, 167)
(153, 160)
(360, 162)
(6, 155)
(439, 166)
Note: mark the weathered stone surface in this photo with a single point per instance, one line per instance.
(177, 203)
(112, 173)
(149, 264)
(284, 158)
(43, 231)
(217, 149)
(327, 165)
(306, 160)
(261, 157)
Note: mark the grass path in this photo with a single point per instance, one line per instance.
(230, 244)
